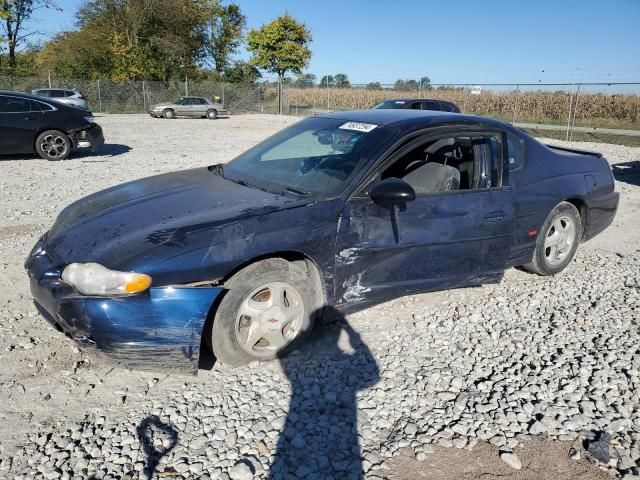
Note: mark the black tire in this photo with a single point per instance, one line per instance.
(541, 264)
(168, 114)
(223, 337)
(212, 114)
(53, 145)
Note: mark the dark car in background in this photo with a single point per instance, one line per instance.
(346, 209)
(70, 96)
(31, 124)
(418, 104)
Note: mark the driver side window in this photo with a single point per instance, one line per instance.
(452, 163)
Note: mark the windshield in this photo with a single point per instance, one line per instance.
(391, 104)
(313, 157)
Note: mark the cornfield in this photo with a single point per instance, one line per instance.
(593, 109)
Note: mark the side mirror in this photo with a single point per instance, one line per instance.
(392, 192)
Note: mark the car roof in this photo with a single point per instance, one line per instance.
(55, 88)
(412, 99)
(20, 94)
(393, 117)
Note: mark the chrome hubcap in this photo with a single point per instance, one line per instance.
(269, 319)
(559, 240)
(54, 145)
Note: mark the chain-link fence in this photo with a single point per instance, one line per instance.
(105, 96)
(607, 112)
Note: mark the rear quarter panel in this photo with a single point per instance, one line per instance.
(547, 178)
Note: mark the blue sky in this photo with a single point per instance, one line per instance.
(454, 42)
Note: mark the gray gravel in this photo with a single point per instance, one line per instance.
(508, 364)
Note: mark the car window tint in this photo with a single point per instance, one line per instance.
(57, 93)
(431, 106)
(69, 93)
(446, 108)
(14, 105)
(515, 151)
(305, 144)
(416, 106)
(42, 93)
(40, 106)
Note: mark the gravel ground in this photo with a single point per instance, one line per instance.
(531, 378)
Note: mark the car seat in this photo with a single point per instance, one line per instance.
(433, 177)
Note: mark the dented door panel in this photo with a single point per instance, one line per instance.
(439, 241)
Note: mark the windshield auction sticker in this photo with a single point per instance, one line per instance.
(358, 126)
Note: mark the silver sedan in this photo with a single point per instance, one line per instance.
(199, 107)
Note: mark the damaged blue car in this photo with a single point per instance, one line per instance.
(345, 209)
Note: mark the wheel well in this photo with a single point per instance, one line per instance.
(582, 208)
(289, 256)
(42, 130)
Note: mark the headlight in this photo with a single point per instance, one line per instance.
(94, 279)
(89, 119)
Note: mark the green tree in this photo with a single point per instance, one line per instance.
(132, 40)
(342, 80)
(15, 17)
(305, 80)
(411, 85)
(327, 81)
(224, 33)
(374, 86)
(399, 85)
(280, 46)
(425, 83)
(241, 72)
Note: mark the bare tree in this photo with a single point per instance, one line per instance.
(14, 20)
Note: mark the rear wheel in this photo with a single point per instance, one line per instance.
(53, 145)
(557, 241)
(169, 114)
(212, 114)
(268, 311)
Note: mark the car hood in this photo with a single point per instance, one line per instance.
(127, 224)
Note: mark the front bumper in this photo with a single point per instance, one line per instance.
(159, 329)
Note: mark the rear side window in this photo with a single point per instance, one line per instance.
(431, 106)
(69, 93)
(446, 108)
(14, 105)
(515, 151)
(57, 93)
(40, 107)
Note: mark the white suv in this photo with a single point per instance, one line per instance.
(69, 96)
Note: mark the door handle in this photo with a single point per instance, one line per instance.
(494, 217)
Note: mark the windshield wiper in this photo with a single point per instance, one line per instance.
(300, 193)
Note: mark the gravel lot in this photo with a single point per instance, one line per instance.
(531, 378)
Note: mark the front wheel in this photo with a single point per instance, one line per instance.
(267, 312)
(212, 114)
(168, 114)
(557, 241)
(53, 145)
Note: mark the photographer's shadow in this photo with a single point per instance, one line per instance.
(320, 435)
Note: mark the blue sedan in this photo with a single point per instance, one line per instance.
(346, 209)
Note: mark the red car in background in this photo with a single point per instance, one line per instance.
(419, 104)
